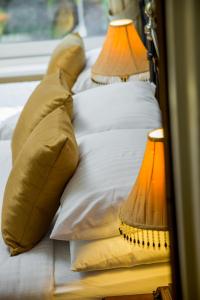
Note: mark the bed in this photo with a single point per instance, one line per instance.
(47, 266)
(45, 271)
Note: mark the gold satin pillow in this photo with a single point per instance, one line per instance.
(39, 175)
(50, 94)
(68, 56)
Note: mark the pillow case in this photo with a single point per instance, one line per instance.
(68, 56)
(91, 57)
(49, 95)
(109, 163)
(112, 253)
(118, 106)
(83, 81)
(40, 172)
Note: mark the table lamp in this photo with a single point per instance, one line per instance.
(123, 54)
(144, 213)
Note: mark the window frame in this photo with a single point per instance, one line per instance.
(28, 61)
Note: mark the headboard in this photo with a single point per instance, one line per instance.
(150, 39)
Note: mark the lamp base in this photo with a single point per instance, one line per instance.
(145, 237)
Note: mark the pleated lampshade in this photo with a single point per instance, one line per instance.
(144, 213)
(123, 53)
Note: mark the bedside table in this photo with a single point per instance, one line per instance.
(136, 297)
(162, 293)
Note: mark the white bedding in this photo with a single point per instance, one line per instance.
(13, 96)
(46, 268)
(29, 275)
(95, 285)
(16, 94)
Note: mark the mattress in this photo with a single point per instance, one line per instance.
(96, 285)
(16, 94)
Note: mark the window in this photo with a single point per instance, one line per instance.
(39, 20)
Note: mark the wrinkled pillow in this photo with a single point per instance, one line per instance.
(113, 253)
(45, 163)
(118, 106)
(50, 94)
(68, 56)
(109, 164)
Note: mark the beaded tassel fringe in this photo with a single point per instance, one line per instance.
(145, 237)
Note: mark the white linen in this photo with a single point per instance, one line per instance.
(16, 94)
(111, 124)
(118, 106)
(13, 96)
(28, 275)
(113, 253)
(109, 163)
(96, 285)
(91, 57)
(83, 81)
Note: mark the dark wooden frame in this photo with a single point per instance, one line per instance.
(164, 105)
(159, 75)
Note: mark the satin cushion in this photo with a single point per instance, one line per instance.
(68, 56)
(50, 94)
(39, 175)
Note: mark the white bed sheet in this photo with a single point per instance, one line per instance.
(13, 96)
(16, 94)
(28, 276)
(96, 285)
(45, 270)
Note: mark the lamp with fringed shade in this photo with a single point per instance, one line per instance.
(144, 213)
(123, 54)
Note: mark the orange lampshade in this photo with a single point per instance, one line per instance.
(144, 213)
(123, 53)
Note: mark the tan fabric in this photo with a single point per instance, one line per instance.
(146, 205)
(36, 182)
(69, 56)
(123, 53)
(114, 252)
(49, 95)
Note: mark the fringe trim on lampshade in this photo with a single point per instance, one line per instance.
(104, 80)
(145, 237)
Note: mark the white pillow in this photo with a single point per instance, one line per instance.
(109, 164)
(118, 106)
(113, 253)
(91, 57)
(83, 81)
(7, 126)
